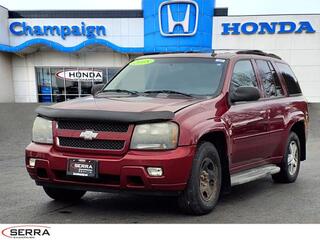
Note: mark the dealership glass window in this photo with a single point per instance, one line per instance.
(58, 86)
(112, 72)
(55, 86)
(44, 84)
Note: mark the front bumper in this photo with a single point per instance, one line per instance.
(126, 172)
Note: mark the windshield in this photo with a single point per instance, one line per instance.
(192, 76)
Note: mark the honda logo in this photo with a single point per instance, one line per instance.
(170, 18)
(88, 135)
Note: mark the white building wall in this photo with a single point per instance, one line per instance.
(6, 84)
(24, 75)
(301, 51)
(4, 33)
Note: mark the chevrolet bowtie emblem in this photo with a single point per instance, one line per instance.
(88, 135)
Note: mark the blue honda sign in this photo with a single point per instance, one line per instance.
(178, 25)
(178, 18)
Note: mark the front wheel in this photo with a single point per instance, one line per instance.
(290, 165)
(64, 195)
(203, 189)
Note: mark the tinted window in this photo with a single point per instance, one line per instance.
(290, 79)
(243, 75)
(195, 76)
(270, 80)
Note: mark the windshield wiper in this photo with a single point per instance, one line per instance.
(169, 92)
(120, 91)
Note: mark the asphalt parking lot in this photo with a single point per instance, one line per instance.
(263, 201)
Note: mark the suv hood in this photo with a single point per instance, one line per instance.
(128, 104)
(130, 109)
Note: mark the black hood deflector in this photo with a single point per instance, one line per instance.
(101, 115)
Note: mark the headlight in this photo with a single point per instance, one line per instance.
(155, 136)
(42, 131)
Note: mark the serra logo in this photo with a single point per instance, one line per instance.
(26, 232)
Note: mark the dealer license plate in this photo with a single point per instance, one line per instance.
(82, 168)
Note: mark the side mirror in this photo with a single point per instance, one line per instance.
(96, 88)
(245, 94)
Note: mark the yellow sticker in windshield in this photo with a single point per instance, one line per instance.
(142, 62)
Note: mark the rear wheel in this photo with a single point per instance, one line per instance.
(64, 195)
(290, 165)
(203, 189)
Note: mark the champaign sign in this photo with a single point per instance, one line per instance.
(83, 75)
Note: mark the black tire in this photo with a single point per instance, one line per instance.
(288, 174)
(64, 195)
(194, 199)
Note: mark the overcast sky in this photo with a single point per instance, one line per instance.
(236, 7)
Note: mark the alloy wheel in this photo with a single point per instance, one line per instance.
(293, 158)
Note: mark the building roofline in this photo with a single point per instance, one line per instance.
(114, 13)
(3, 7)
(76, 14)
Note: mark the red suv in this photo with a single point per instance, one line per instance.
(189, 125)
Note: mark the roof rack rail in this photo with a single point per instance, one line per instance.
(260, 53)
(248, 51)
(160, 53)
(214, 51)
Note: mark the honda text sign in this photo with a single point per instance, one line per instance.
(82, 75)
(178, 18)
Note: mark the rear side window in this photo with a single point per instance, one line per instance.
(290, 79)
(243, 75)
(271, 82)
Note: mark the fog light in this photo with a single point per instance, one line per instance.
(155, 171)
(32, 162)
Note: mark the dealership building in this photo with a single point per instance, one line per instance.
(53, 56)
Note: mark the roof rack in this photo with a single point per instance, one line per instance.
(249, 51)
(260, 53)
(160, 53)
